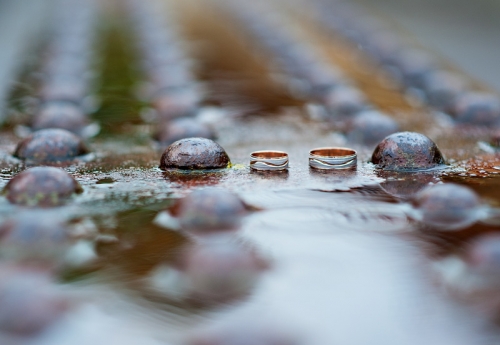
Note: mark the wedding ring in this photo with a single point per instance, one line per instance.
(269, 160)
(329, 158)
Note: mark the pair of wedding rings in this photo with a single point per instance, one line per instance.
(324, 158)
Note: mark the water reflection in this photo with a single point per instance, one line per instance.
(192, 179)
(28, 311)
(364, 282)
(309, 211)
(336, 173)
(210, 272)
(404, 185)
(472, 274)
(203, 212)
(333, 176)
(280, 175)
(447, 206)
(247, 331)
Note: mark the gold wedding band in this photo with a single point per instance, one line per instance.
(331, 158)
(269, 160)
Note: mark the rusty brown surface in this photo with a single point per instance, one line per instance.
(340, 248)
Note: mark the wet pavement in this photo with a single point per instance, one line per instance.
(229, 255)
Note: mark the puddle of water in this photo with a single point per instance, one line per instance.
(343, 254)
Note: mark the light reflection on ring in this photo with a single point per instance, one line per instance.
(332, 158)
(269, 160)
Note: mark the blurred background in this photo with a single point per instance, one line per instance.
(21, 23)
(465, 32)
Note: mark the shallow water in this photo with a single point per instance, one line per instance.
(345, 261)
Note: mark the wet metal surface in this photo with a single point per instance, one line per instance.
(194, 154)
(407, 151)
(217, 253)
(50, 146)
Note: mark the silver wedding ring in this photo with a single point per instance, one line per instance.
(269, 160)
(330, 158)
